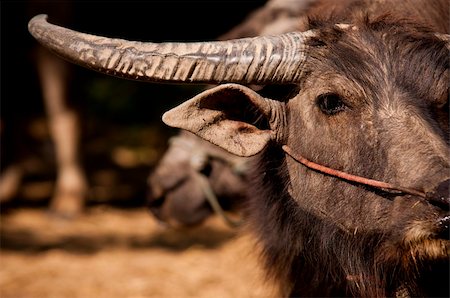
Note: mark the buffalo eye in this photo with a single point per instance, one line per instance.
(330, 103)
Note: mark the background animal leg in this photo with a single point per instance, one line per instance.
(71, 186)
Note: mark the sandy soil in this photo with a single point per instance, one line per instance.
(111, 253)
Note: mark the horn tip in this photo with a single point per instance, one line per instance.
(167, 118)
(36, 20)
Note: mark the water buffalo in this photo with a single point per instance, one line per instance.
(349, 141)
(195, 179)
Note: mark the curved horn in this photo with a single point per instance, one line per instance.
(259, 60)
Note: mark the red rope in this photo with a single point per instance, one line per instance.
(350, 177)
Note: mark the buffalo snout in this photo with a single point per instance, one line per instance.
(180, 206)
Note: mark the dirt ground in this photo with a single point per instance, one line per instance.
(112, 252)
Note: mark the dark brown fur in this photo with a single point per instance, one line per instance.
(393, 60)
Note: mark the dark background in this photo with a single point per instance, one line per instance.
(116, 114)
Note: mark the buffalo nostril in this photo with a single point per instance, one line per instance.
(441, 195)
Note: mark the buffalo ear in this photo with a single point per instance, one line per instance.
(231, 116)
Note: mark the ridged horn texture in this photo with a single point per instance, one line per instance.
(259, 60)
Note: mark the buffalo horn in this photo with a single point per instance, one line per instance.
(259, 60)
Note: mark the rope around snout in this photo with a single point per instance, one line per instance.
(213, 201)
(350, 177)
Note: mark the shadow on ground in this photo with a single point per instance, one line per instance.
(34, 231)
